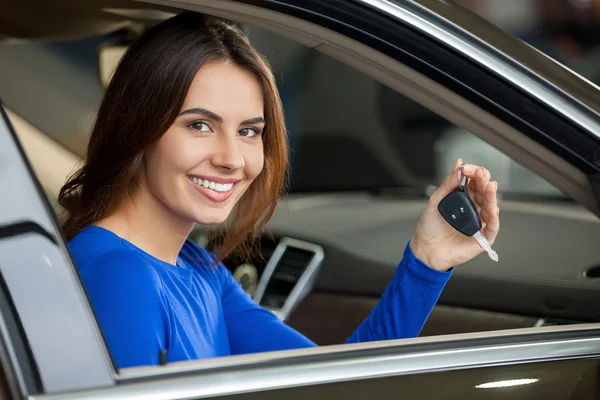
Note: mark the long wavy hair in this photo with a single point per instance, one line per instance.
(144, 97)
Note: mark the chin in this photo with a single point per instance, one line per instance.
(211, 218)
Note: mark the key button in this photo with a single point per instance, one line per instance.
(454, 216)
(462, 210)
(463, 220)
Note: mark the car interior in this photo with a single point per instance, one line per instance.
(365, 158)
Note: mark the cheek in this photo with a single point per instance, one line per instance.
(174, 154)
(254, 159)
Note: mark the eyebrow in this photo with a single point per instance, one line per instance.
(218, 118)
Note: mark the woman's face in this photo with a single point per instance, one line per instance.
(212, 153)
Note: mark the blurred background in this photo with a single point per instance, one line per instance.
(566, 30)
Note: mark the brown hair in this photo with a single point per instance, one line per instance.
(144, 97)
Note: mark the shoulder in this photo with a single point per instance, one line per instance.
(100, 253)
(120, 269)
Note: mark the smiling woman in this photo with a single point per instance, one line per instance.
(191, 131)
(236, 77)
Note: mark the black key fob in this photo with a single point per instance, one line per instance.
(459, 210)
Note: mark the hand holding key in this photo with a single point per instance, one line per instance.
(440, 244)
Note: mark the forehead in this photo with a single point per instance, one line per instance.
(227, 90)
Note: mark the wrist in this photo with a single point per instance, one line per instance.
(428, 256)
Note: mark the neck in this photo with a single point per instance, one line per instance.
(149, 224)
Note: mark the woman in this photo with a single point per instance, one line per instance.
(191, 131)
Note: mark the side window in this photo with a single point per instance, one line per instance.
(391, 140)
(351, 135)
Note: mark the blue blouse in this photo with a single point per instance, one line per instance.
(145, 306)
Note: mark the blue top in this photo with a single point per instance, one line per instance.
(145, 305)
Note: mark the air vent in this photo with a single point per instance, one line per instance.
(288, 275)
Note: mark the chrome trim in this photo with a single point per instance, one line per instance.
(348, 362)
(304, 283)
(492, 58)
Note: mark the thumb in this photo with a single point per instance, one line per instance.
(448, 185)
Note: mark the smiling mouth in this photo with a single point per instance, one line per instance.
(214, 186)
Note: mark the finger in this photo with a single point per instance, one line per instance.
(492, 227)
(469, 170)
(448, 185)
(472, 190)
(480, 181)
(489, 201)
(490, 212)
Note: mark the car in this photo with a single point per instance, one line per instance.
(381, 97)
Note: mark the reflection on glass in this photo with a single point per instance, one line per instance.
(506, 383)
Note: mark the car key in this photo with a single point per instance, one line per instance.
(458, 210)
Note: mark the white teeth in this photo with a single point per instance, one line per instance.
(218, 187)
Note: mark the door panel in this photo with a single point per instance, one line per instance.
(53, 317)
(559, 380)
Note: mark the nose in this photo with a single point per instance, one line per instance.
(228, 154)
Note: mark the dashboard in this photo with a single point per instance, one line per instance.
(355, 241)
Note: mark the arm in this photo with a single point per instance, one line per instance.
(408, 299)
(126, 295)
(406, 302)
(401, 312)
(437, 247)
(250, 327)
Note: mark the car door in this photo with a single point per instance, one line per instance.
(54, 349)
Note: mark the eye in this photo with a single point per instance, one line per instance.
(250, 132)
(200, 126)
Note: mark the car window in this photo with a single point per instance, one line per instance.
(348, 134)
(392, 141)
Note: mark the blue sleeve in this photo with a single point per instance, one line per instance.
(400, 313)
(128, 300)
(406, 303)
(250, 327)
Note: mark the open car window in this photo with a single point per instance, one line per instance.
(400, 150)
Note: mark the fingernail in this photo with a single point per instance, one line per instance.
(460, 161)
(485, 172)
(496, 183)
(468, 169)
